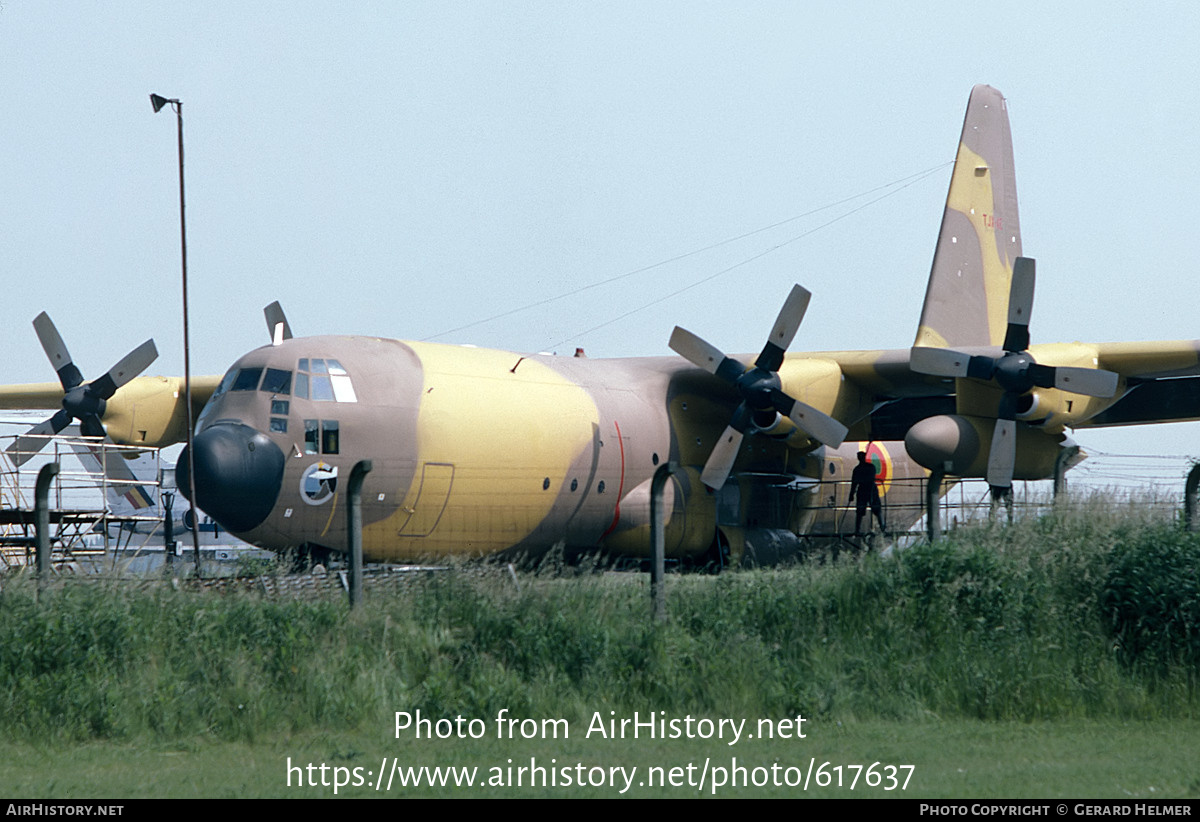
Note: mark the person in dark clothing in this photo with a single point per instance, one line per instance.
(862, 486)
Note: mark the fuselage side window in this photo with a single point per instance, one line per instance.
(312, 437)
(329, 437)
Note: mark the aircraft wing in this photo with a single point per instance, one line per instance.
(1151, 360)
(1163, 379)
(30, 395)
(886, 374)
(144, 411)
(50, 394)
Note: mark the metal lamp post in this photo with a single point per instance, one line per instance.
(158, 102)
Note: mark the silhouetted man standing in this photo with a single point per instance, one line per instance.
(862, 485)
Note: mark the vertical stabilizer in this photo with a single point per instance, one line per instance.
(125, 490)
(966, 301)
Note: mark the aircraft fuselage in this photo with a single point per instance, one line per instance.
(478, 451)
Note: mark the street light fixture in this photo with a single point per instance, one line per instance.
(158, 102)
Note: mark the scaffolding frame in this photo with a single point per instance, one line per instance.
(81, 510)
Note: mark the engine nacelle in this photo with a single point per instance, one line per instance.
(960, 444)
(691, 526)
(1047, 406)
(147, 411)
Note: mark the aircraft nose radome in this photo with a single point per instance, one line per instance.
(238, 475)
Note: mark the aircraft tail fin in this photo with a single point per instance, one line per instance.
(125, 490)
(966, 301)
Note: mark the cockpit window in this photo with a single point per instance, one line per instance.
(343, 390)
(226, 382)
(277, 382)
(320, 388)
(323, 380)
(247, 379)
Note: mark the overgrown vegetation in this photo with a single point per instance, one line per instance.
(1078, 614)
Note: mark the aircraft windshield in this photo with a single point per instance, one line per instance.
(226, 382)
(277, 382)
(247, 379)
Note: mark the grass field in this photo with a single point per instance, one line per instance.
(951, 759)
(1056, 658)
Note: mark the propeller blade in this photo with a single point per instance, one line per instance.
(759, 388)
(1002, 458)
(277, 324)
(60, 420)
(817, 424)
(28, 444)
(1014, 370)
(724, 455)
(56, 351)
(133, 363)
(90, 426)
(85, 403)
(705, 355)
(1020, 305)
(1093, 382)
(785, 328)
(939, 362)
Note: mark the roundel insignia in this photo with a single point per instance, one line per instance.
(318, 483)
(878, 456)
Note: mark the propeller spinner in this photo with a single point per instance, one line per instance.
(1014, 370)
(759, 388)
(83, 402)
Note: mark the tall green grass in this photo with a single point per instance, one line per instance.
(1082, 613)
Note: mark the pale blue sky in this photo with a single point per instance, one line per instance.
(403, 169)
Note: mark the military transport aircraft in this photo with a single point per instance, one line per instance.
(481, 451)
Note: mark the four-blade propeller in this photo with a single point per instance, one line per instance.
(1014, 370)
(759, 387)
(83, 402)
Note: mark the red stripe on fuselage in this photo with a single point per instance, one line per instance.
(620, 484)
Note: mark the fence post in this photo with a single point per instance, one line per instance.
(1190, 521)
(168, 500)
(41, 521)
(658, 538)
(933, 496)
(354, 528)
(1065, 455)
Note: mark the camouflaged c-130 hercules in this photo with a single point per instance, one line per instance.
(480, 452)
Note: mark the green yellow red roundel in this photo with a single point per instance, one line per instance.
(882, 460)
